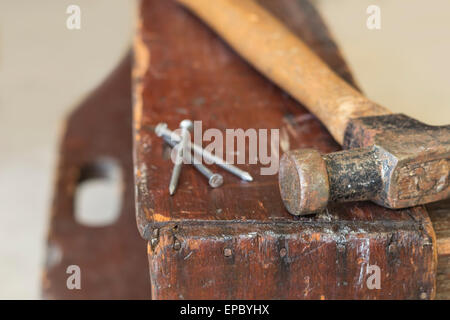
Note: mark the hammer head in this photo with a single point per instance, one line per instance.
(392, 160)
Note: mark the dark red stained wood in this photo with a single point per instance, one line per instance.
(112, 259)
(321, 261)
(183, 70)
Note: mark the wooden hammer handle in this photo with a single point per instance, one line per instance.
(282, 57)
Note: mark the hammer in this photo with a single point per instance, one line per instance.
(391, 159)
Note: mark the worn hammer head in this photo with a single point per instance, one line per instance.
(392, 160)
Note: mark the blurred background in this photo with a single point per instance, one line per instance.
(47, 69)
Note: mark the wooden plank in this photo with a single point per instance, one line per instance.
(238, 241)
(111, 258)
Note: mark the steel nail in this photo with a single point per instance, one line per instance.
(162, 130)
(214, 179)
(185, 126)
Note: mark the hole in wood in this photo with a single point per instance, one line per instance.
(99, 194)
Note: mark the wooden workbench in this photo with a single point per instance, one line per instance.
(236, 241)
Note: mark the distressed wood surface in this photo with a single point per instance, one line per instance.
(238, 241)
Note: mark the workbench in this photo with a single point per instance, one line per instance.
(237, 241)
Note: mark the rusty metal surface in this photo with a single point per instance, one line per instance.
(413, 158)
(112, 258)
(392, 160)
(303, 181)
(238, 241)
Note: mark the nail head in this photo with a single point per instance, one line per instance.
(227, 252)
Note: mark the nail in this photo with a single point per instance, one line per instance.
(161, 130)
(185, 126)
(214, 179)
(227, 252)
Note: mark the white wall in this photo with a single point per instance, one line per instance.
(404, 66)
(45, 70)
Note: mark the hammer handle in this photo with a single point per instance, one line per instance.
(285, 59)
